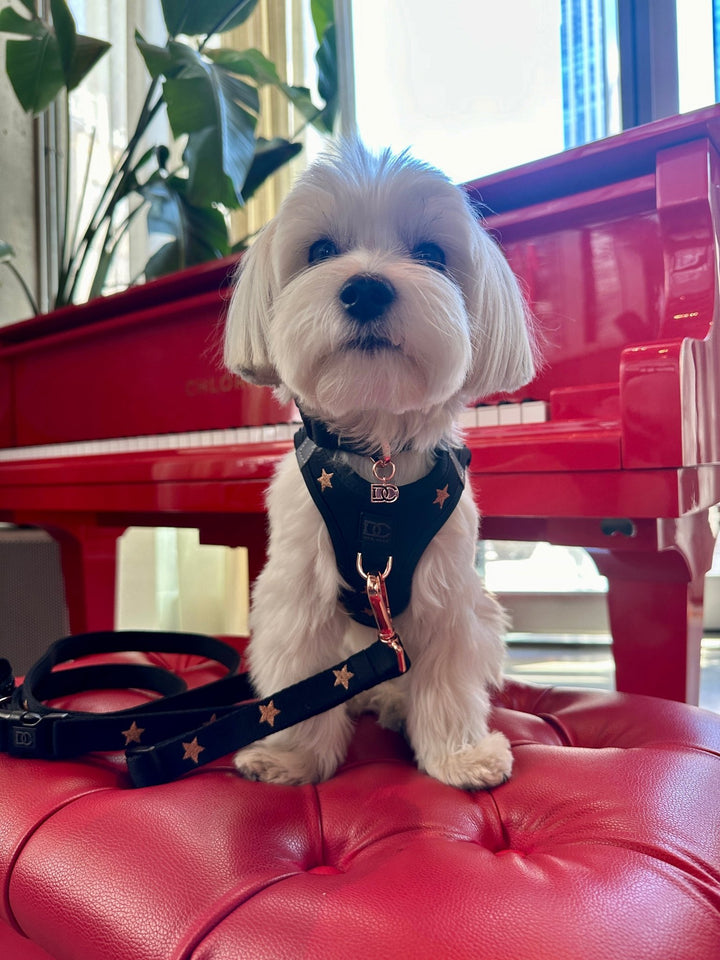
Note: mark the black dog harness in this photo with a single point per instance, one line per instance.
(377, 521)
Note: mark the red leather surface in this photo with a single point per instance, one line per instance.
(604, 844)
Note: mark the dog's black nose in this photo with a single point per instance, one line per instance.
(366, 297)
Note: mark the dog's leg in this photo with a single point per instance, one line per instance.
(454, 633)
(301, 646)
(297, 630)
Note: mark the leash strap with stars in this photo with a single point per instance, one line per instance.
(182, 729)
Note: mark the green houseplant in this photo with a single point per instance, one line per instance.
(211, 98)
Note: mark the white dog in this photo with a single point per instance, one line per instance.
(376, 301)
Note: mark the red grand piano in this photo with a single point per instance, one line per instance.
(118, 413)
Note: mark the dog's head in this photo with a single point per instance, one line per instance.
(377, 301)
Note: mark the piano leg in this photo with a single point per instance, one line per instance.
(655, 607)
(88, 556)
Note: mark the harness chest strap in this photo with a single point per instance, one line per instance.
(360, 522)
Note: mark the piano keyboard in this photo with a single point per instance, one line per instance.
(166, 441)
(504, 414)
(484, 416)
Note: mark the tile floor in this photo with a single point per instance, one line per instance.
(587, 662)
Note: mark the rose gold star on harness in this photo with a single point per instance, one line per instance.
(325, 480)
(133, 733)
(343, 677)
(442, 496)
(192, 750)
(268, 712)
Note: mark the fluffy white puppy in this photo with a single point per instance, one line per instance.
(377, 302)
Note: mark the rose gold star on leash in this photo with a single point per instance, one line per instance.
(268, 712)
(442, 496)
(133, 733)
(325, 480)
(192, 750)
(343, 677)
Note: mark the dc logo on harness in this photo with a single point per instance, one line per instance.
(376, 530)
(23, 739)
(383, 493)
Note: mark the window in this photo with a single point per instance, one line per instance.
(472, 88)
(476, 88)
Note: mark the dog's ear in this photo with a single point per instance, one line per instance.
(246, 345)
(504, 345)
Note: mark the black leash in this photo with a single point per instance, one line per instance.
(182, 729)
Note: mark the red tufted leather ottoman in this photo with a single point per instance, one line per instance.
(604, 845)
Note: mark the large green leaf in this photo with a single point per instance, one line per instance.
(200, 17)
(12, 22)
(270, 155)
(65, 32)
(198, 233)
(210, 104)
(207, 180)
(35, 71)
(326, 59)
(88, 50)
(158, 60)
(323, 14)
(40, 66)
(246, 63)
(253, 63)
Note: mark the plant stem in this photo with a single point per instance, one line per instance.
(81, 199)
(221, 23)
(115, 190)
(26, 290)
(64, 250)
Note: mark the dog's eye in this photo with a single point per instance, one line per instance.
(322, 249)
(431, 254)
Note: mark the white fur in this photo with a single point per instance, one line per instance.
(452, 336)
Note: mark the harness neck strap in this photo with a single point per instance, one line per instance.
(323, 436)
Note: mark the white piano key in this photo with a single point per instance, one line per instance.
(508, 413)
(534, 411)
(468, 418)
(487, 416)
(286, 431)
(157, 442)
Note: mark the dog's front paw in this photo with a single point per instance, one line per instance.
(485, 764)
(276, 765)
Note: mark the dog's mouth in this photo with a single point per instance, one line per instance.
(370, 343)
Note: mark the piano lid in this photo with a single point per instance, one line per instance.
(625, 156)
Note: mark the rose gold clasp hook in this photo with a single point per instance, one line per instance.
(377, 595)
